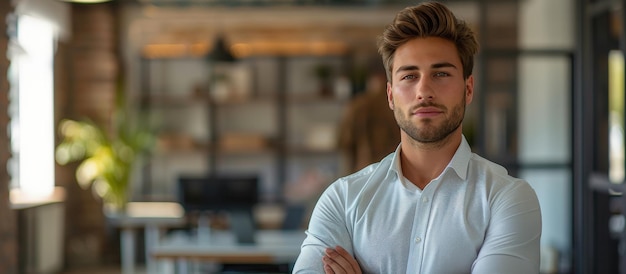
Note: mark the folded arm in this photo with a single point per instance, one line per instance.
(327, 229)
(338, 261)
(512, 242)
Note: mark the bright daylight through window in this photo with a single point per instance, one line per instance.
(616, 116)
(32, 107)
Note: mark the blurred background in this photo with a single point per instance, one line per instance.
(113, 103)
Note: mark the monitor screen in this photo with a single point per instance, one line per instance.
(215, 193)
(233, 195)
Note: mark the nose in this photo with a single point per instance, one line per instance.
(424, 90)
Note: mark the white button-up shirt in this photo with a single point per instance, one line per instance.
(472, 218)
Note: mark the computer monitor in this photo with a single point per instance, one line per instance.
(234, 195)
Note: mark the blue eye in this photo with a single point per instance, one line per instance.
(441, 74)
(408, 77)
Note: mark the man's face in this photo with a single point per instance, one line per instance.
(427, 92)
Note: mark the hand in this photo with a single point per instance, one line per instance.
(339, 261)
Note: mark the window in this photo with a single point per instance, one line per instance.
(32, 106)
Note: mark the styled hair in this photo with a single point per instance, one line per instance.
(428, 19)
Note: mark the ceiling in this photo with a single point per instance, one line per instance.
(255, 27)
(239, 3)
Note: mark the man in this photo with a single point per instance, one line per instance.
(432, 206)
(368, 131)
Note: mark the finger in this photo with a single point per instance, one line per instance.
(340, 260)
(328, 269)
(344, 253)
(331, 266)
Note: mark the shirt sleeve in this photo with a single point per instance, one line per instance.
(512, 241)
(327, 228)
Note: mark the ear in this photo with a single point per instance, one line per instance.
(389, 96)
(469, 89)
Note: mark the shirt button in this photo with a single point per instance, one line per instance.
(418, 239)
(425, 199)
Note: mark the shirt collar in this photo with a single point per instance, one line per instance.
(461, 158)
(395, 163)
(459, 162)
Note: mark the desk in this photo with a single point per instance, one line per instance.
(272, 246)
(152, 216)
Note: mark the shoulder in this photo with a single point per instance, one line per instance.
(368, 178)
(493, 174)
(499, 186)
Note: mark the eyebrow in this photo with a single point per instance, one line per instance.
(435, 66)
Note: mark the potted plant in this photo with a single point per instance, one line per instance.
(324, 73)
(107, 157)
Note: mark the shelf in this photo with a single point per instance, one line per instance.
(246, 152)
(270, 105)
(206, 149)
(164, 100)
(179, 142)
(316, 99)
(312, 151)
(245, 101)
(242, 142)
(203, 149)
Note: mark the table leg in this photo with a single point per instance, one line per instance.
(127, 251)
(152, 239)
(182, 266)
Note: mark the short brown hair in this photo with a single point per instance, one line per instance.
(428, 19)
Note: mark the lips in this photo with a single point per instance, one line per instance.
(427, 112)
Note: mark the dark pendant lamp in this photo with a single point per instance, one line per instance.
(220, 52)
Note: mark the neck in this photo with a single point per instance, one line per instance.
(423, 162)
